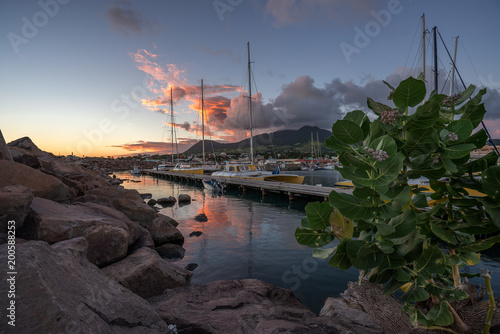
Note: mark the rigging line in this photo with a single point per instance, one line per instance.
(470, 61)
(465, 87)
(411, 47)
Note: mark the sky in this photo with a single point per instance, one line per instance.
(94, 78)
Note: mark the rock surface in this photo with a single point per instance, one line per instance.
(146, 274)
(59, 291)
(4, 150)
(43, 185)
(166, 200)
(184, 198)
(201, 217)
(163, 232)
(171, 251)
(108, 232)
(15, 204)
(246, 306)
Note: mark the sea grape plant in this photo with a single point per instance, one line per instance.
(398, 231)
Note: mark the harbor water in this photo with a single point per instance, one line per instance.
(251, 236)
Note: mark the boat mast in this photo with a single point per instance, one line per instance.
(435, 59)
(423, 45)
(312, 149)
(250, 102)
(172, 121)
(453, 67)
(202, 123)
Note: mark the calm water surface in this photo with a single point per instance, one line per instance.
(250, 236)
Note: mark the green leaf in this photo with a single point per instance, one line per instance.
(465, 94)
(457, 151)
(403, 225)
(318, 215)
(323, 253)
(416, 293)
(492, 207)
(420, 201)
(313, 238)
(347, 132)
(389, 262)
(377, 107)
(347, 158)
(430, 261)
(462, 128)
(384, 228)
(470, 258)
(364, 255)
(446, 293)
(304, 222)
(424, 117)
(440, 315)
(388, 85)
(350, 206)
(421, 141)
(479, 245)
(410, 92)
(478, 139)
(491, 182)
(360, 118)
(443, 234)
(340, 259)
(337, 145)
(474, 114)
(472, 103)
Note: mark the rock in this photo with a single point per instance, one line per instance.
(43, 185)
(59, 291)
(146, 196)
(171, 251)
(4, 150)
(162, 232)
(127, 201)
(191, 266)
(144, 240)
(244, 306)
(24, 151)
(15, 204)
(146, 274)
(166, 200)
(195, 234)
(184, 198)
(152, 202)
(109, 233)
(26, 144)
(172, 221)
(201, 217)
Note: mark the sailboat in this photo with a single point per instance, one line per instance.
(250, 170)
(205, 166)
(180, 167)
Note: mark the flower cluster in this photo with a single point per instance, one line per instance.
(390, 116)
(452, 136)
(450, 100)
(380, 155)
(436, 158)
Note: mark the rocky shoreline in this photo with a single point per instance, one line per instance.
(88, 261)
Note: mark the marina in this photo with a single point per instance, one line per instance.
(289, 189)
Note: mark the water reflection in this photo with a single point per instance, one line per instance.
(251, 236)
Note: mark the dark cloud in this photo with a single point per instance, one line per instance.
(126, 21)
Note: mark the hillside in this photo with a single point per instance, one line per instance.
(299, 140)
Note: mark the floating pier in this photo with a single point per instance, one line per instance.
(289, 189)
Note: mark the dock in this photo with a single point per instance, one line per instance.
(289, 189)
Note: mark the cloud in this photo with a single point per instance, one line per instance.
(126, 21)
(157, 147)
(293, 12)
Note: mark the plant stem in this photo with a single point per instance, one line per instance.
(456, 273)
(462, 327)
(491, 299)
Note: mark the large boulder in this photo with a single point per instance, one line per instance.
(59, 291)
(24, 151)
(246, 306)
(108, 232)
(4, 150)
(127, 201)
(43, 185)
(163, 231)
(146, 274)
(15, 204)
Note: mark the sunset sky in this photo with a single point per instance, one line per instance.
(94, 77)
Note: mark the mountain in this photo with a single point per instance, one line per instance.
(299, 140)
(495, 141)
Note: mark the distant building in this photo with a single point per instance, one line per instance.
(479, 153)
